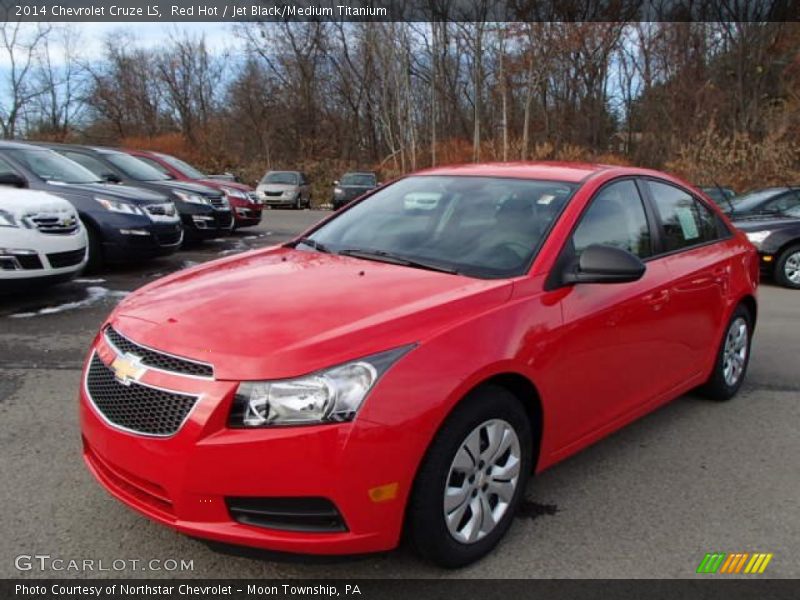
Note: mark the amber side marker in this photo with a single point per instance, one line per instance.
(382, 493)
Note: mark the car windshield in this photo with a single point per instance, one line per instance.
(184, 167)
(135, 168)
(793, 212)
(280, 177)
(752, 200)
(358, 179)
(51, 166)
(481, 227)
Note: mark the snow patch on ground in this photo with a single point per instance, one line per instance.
(94, 294)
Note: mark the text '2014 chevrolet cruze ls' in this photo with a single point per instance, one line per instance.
(405, 365)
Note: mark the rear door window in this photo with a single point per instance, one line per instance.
(685, 221)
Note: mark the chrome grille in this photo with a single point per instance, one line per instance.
(155, 359)
(136, 407)
(218, 202)
(55, 224)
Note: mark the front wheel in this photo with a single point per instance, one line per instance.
(96, 257)
(787, 268)
(472, 479)
(733, 357)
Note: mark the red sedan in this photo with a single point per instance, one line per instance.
(246, 206)
(408, 363)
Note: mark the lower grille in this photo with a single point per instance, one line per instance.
(289, 514)
(136, 407)
(59, 260)
(29, 261)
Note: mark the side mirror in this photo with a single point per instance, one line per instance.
(605, 264)
(111, 178)
(13, 179)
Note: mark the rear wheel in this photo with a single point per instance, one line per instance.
(787, 268)
(472, 479)
(733, 357)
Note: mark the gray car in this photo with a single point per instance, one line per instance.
(285, 188)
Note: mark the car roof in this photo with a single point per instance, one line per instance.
(7, 144)
(558, 171)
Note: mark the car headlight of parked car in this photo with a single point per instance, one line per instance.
(191, 198)
(8, 220)
(289, 193)
(338, 191)
(757, 237)
(234, 193)
(327, 396)
(119, 206)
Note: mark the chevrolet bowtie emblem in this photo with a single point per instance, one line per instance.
(127, 368)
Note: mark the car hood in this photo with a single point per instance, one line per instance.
(281, 312)
(123, 192)
(276, 187)
(761, 223)
(218, 184)
(187, 186)
(22, 203)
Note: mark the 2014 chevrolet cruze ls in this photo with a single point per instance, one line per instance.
(406, 365)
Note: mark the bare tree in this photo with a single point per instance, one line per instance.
(20, 44)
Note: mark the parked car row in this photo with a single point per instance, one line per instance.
(771, 220)
(105, 206)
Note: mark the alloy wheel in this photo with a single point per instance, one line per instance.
(735, 351)
(791, 268)
(482, 480)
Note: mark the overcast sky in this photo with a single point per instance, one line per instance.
(218, 35)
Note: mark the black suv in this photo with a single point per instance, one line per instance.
(124, 223)
(204, 211)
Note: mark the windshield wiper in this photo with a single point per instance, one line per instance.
(396, 259)
(312, 243)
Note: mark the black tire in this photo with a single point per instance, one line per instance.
(427, 530)
(96, 258)
(717, 387)
(780, 274)
(298, 202)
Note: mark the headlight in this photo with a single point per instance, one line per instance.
(119, 206)
(8, 220)
(289, 193)
(328, 396)
(338, 191)
(234, 193)
(757, 237)
(191, 198)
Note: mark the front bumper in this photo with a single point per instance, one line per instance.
(246, 214)
(203, 222)
(182, 481)
(27, 255)
(149, 241)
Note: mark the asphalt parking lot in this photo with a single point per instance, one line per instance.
(649, 501)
